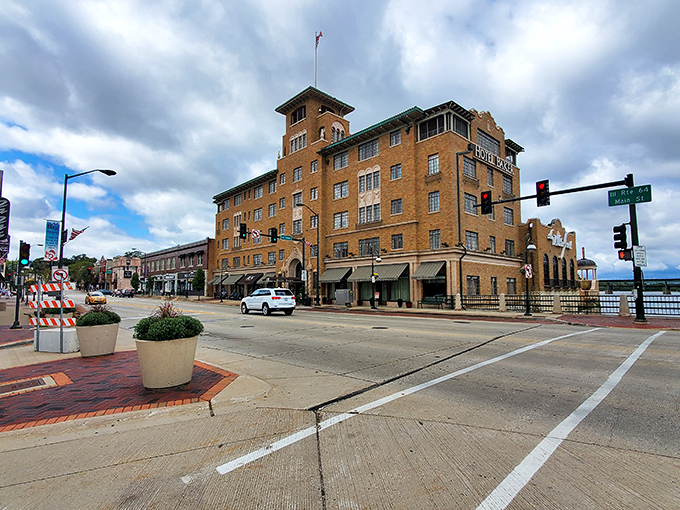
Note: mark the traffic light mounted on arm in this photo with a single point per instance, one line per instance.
(243, 231)
(620, 237)
(543, 193)
(487, 206)
(273, 235)
(24, 253)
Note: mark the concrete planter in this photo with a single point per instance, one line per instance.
(97, 340)
(167, 363)
(49, 340)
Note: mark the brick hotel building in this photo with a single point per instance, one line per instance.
(397, 198)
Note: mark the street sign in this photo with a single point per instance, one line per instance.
(60, 274)
(255, 233)
(640, 256)
(4, 217)
(285, 237)
(528, 271)
(627, 196)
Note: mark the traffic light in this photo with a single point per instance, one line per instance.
(243, 231)
(620, 237)
(626, 254)
(487, 207)
(543, 193)
(24, 253)
(273, 235)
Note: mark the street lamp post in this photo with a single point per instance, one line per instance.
(530, 247)
(63, 208)
(378, 260)
(318, 276)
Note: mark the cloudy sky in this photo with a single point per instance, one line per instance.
(178, 98)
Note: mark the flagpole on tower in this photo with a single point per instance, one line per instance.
(316, 53)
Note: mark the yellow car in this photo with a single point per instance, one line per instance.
(95, 298)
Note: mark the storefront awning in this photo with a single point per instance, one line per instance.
(232, 279)
(269, 277)
(429, 271)
(385, 272)
(215, 280)
(251, 279)
(335, 274)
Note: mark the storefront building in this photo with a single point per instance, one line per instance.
(171, 271)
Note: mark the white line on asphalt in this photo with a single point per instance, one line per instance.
(502, 495)
(294, 438)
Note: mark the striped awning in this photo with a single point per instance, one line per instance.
(429, 271)
(335, 274)
(384, 272)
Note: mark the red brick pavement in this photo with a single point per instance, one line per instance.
(9, 337)
(88, 387)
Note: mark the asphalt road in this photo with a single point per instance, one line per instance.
(345, 411)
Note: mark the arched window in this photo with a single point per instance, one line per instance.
(556, 272)
(564, 272)
(546, 270)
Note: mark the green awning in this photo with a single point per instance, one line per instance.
(335, 274)
(384, 272)
(232, 279)
(429, 271)
(215, 280)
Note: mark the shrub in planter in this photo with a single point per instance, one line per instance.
(97, 331)
(166, 347)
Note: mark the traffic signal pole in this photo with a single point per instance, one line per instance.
(637, 271)
(17, 323)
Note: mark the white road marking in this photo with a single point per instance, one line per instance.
(294, 438)
(502, 495)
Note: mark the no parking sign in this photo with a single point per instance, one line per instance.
(60, 274)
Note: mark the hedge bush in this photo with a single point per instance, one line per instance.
(98, 318)
(167, 328)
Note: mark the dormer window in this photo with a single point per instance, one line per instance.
(298, 115)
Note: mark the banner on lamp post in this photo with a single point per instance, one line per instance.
(52, 241)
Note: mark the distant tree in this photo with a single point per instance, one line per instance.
(199, 280)
(134, 281)
(149, 284)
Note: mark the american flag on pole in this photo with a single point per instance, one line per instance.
(318, 37)
(75, 233)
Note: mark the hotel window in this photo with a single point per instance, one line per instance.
(257, 259)
(225, 244)
(272, 210)
(369, 213)
(314, 194)
(494, 286)
(340, 160)
(282, 178)
(508, 216)
(512, 286)
(297, 227)
(257, 214)
(369, 246)
(258, 192)
(297, 174)
(225, 263)
(510, 156)
(397, 241)
(271, 258)
(395, 172)
(396, 206)
(298, 143)
(237, 261)
(341, 220)
(472, 285)
(298, 114)
(488, 142)
(489, 176)
(282, 203)
(509, 248)
(507, 184)
(272, 186)
(435, 239)
(395, 138)
(257, 240)
(314, 251)
(314, 166)
(433, 164)
(237, 200)
(432, 127)
(340, 250)
(225, 204)
(282, 228)
(469, 168)
(460, 126)
(368, 150)
(225, 224)
(470, 202)
(341, 189)
(472, 241)
(282, 254)
(492, 244)
(433, 201)
(297, 198)
(314, 222)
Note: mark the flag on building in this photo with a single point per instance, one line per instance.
(75, 233)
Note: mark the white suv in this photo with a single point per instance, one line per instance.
(269, 300)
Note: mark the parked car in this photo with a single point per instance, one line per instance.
(128, 293)
(106, 292)
(95, 298)
(269, 300)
